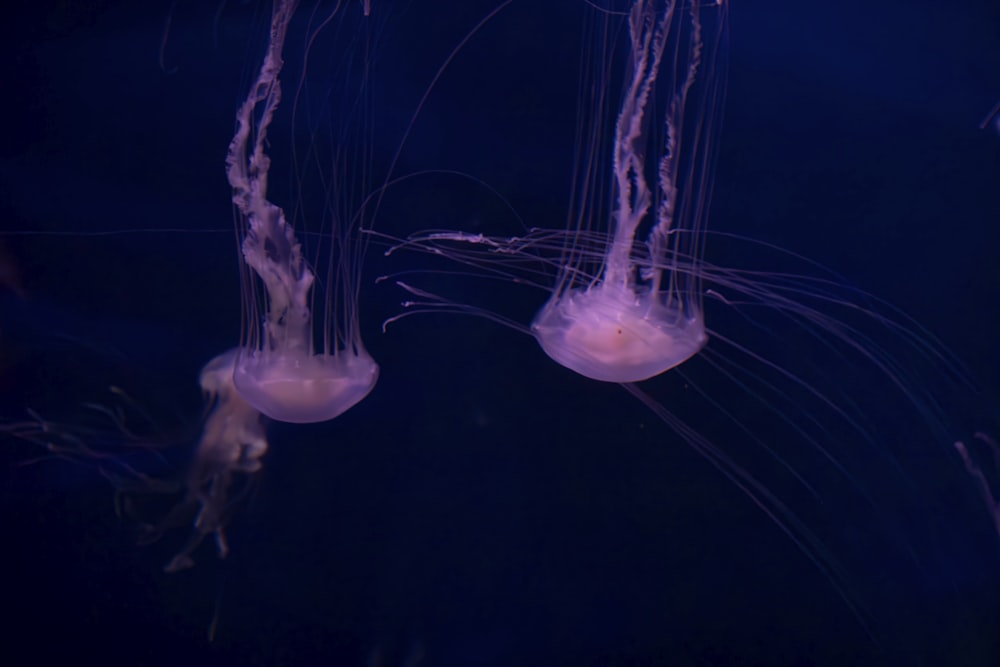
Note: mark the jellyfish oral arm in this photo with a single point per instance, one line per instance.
(269, 245)
(633, 196)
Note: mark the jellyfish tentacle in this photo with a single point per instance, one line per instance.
(990, 495)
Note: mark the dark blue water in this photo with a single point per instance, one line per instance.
(484, 506)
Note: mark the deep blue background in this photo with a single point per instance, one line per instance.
(482, 506)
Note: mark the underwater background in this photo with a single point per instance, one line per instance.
(482, 506)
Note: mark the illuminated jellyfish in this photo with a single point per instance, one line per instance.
(629, 284)
(278, 370)
(632, 321)
(632, 310)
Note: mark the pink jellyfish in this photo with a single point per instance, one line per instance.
(278, 368)
(626, 301)
(634, 321)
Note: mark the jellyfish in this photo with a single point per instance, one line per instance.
(625, 303)
(635, 319)
(226, 458)
(805, 355)
(125, 446)
(279, 371)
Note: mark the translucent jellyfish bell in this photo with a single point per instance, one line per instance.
(616, 333)
(279, 370)
(642, 315)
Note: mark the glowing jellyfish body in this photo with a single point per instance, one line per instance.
(634, 322)
(278, 370)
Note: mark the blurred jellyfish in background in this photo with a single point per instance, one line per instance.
(123, 444)
(228, 453)
(479, 470)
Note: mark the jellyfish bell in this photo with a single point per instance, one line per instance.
(304, 388)
(616, 334)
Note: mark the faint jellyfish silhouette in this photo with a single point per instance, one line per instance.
(987, 481)
(278, 370)
(123, 443)
(233, 440)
